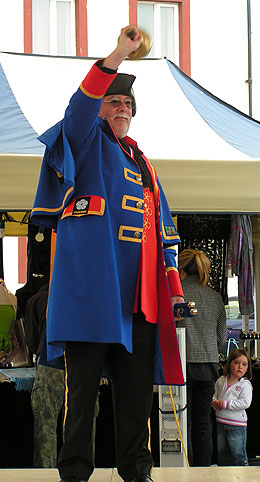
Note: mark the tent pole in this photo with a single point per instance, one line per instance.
(257, 288)
(1, 260)
(249, 53)
(2, 230)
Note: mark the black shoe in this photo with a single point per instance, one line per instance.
(142, 478)
(72, 480)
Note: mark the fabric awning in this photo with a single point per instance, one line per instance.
(207, 153)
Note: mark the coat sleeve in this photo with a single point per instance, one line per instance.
(57, 178)
(63, 144)
(172, 271)
(82, 112)
(243, 401)
(170, 238)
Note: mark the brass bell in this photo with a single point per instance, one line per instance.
(144, 47)
(193, 311)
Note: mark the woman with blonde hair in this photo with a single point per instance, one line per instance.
(204, 334)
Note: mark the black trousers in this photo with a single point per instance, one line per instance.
(200, 441)
(132, 390)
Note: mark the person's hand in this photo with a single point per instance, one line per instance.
(128, 41)
(217, 405)
(177, 299)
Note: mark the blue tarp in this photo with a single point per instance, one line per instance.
(16, 134)
(235, 127)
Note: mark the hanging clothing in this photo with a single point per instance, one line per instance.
(240, 260)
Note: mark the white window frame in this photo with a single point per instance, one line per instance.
(53, 27)
(157, 27)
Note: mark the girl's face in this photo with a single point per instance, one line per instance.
(238, 367)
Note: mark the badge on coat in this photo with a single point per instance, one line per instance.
(83, 205)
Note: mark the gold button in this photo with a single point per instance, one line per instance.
(139, 178)
(139, 204)
(145, 205)
(137, 234)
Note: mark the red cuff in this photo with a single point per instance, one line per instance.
(174, 282)
(96, 82)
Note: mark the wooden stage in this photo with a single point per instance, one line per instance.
(169, 474)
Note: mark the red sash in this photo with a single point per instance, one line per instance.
(148, 260)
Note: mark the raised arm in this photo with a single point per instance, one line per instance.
(82, 113)
(129, 41)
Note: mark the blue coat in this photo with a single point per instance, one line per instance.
(90, 191)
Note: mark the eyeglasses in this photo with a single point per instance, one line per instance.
(117, 103)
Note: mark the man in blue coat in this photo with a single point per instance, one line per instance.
(114, 279)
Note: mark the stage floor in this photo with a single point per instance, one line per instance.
(169, 474)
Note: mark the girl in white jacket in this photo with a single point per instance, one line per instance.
(233, 395)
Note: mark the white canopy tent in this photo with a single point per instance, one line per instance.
(207, 154)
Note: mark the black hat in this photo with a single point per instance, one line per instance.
(122, 85)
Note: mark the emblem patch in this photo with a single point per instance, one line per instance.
(170, 230)
(81, 205)
(85, 205)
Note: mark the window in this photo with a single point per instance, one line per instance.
(53, 26)
(161, 22)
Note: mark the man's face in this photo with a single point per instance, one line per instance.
(118, 114)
